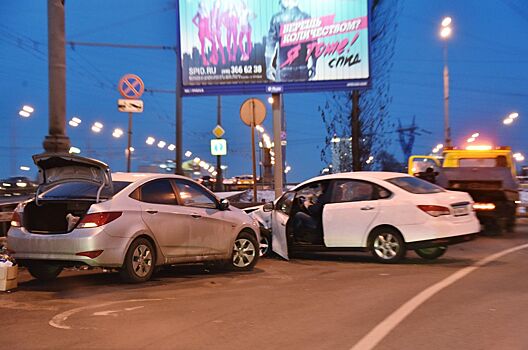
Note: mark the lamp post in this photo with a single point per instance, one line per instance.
(445, 34)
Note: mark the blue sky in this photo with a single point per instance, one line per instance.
(488, 58)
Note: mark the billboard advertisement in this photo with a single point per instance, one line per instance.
(273, 46)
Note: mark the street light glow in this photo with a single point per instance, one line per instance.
(28, 109)
(150, 140)
(446, 32)
(171, 147)
(507, 121)
(96, 129)
(25, 168)
(513, 115)
(188, 154)
(162, 144)
(74, 150)
(270, 100)
(77, 120)
(117, 133)
(73, 123)
(24, 114)
(99, 125)
(471, 139)
(475, 135)
(446, 22)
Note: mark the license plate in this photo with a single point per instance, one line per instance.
(460, 211)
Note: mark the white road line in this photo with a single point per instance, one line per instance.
(376, 335)
(58, 321)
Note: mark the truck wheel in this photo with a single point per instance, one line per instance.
(431, 253)
(44, 271)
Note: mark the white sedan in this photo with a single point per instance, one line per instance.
(381, 212)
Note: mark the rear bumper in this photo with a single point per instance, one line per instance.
(441, 241)
(64, 247)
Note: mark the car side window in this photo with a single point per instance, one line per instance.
(353, 191)
(158, 192)
(192, 195)
(284, 204)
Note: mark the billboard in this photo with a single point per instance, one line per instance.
(273, 46)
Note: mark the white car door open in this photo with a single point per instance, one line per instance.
(347, 219)
(279, 220)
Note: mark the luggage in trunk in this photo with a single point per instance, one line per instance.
(54, 217)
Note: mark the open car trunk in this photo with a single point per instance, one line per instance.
(54, 217)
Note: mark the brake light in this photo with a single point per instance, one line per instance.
(15, 220)
(434, 210)
(98, 219)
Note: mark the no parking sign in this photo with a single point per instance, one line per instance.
(131, 86)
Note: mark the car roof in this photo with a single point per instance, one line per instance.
(359, 175)
(133, 177)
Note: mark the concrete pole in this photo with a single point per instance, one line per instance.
(356, 132)
(56, 141)
(179, 117)
(277, 146)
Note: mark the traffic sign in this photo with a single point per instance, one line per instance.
(253, 111)
(218, 131)
(218, 147)
(131, 86)
(131, 106)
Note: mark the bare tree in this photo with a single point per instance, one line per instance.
(374, 122)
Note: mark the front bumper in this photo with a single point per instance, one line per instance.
(64, 247)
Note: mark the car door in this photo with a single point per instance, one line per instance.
(165, 219)
(210, 230)
(349, 215)
(279, 219)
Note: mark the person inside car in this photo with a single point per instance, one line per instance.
(306, 222)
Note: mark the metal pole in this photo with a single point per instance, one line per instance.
(277, 147)
(447, 129)
(253, 153)
(128, 153)
(179, 117)
(56, 141)
(356, 132)
(219, 185)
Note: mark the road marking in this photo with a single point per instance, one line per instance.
(376, 335)
(59, 321)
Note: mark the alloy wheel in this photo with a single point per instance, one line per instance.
(142, 260)
(386, 246)
(244, 252)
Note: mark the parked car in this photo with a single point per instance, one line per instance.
(381, 212)
(18, 186)
(84, 215)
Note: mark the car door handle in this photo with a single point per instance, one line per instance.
(196, 216)
(367, 208)
(152, 211)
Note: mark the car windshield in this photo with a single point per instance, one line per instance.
(82, 190)
(415, 185)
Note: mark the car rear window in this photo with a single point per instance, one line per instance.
(82, 190)
(415, 185)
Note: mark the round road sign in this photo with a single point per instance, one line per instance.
(131, 86)
(253, 111)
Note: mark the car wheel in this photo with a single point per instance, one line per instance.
(139, 262)
(265, 245)
(245, 252)
(44, 271)
(431, 253)
(387, 245)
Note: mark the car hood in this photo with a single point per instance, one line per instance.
(57, 168)
(264, 218)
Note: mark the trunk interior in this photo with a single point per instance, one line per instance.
(54, 217)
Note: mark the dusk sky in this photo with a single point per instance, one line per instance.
(488, 62)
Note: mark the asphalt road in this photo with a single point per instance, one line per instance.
(314, 302)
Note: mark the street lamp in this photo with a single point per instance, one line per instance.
(510, 118)
(445, 34)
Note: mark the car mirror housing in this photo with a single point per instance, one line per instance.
(224, 204)
(268, 207)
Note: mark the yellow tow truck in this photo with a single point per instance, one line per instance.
(488, 174)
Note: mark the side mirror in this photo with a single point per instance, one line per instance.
(224, 204)
(268, 207)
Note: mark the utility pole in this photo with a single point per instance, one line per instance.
(219, 185)
(447, 128)
(356, 132)
(56, 141)
(179, 115)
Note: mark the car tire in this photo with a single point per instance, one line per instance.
(387, 245)
(139, 262)
(44, 271)
(245, 252)
(431, 253)
(265, 245)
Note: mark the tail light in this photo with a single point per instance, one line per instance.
(98, 219)
(91, 254)
(434, 210)
(15, 220)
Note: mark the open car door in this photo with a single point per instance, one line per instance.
(279, 221)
